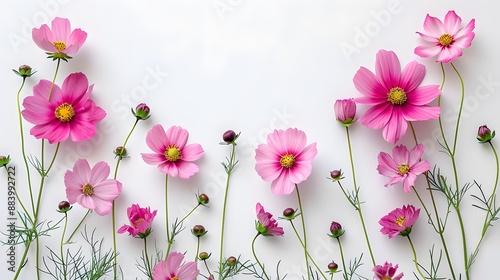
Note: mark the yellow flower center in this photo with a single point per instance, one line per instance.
(172, 153)
(140, 220)
(397, 96)
(175, 278)
(403, 169)
(60, 45)
(88, 189)
(445, 40)
(64, 112)
(386, 278)
(287, 161)
(399, 221)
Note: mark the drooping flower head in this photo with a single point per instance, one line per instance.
(387, 272)
(345, 111)
(59, 41)
(403, 166)
(266, 224)
(399, 221)
(395, 96)
(140, 221)
(90, 187)
(171, 153)
(173, 269)
(285, 159)
(63, 113)
(446, 39)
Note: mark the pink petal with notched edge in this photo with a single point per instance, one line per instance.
(413, 74)
(156, 139)
(388, 69)
(434, 26)
(76, 87)
(177, 136)
(377, 116)
(415, 154)
(368, 84)
(396, 127)
(427, 51)
(423, 95)
(282, 184)
(192, 152)
(186, 169)
(420, 113)
(452, 22)
(153, 159)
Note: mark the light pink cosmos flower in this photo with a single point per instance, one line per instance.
(285, 160)
(266, 224)
(386, 272)
(172, 268)
(446, 39)
(399, 221)
(345, 111)
(90, 187)
(69, 113)
(59, 40)
(140, 221)
(403, 165)
(172, 155)
(395, 96)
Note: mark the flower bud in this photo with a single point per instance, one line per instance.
(198, 230)
(231, 261)
(120, 152)
(484, 134)
(141, 111)
(336, 230)
(204, 256)
(203, 199)
(24, 71)
(289, 213)
(336, 175)
(345, 111)
(4, 160)
(64, 206)
(229, 137)
(332, 267)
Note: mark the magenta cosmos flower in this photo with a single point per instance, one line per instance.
(59, 40)
(140, 221)
(446, 39)
(90, 187)
(285, 159)
(66, 113)
(403, 165)
(395, 96)
(173, 269)
(399, 221)
(386, 272)
(171, 153)
(266, 224)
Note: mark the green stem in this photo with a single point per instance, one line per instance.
(197, 249)
(342, 257)
(415, 258)
(257, 259)
(169, 241)
(54, 79)
(356, 190)
(23, 260)
(305, 250)
(146, 254)
(62, 243)
(78, 226)
(462, 98)
(189, 213)
(304, 231)
(224, 206)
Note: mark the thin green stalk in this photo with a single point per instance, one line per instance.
(23, 260)
(197, 249)
(460, 108)
(62, 243)
(304, 231)
(356, 190)
(415, 258)
(224, 206)
(78, 226)
(54, 79)
(257, 259)
(147, 258)
(169, 241)
(307, 252)
(342, 257)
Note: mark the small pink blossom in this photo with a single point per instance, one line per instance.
(387, 272)
(403, 165)
(90, 187)
(285, 159)
(140, 221)
(171, 153)
(69, 113)
(399, 221)
(266, 224)
(395, 96)
(446, 39)
(172, 268)
(59, 39)
(345, 111)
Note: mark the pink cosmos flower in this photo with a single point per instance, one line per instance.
(399, 221)
(395, 95)
(446, 39)
(172, 269)
(90, 187)
(172, 155)
(266, 224)
(140, 221)
(69, 113)
(285, 160)
(403, 165)
(345, 111)
(59, 40)
(386, 272)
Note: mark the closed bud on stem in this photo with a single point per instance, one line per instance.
(484, 134)
(203, 199)
(332, 267)
(64, 206)
(4, 160)
(232, 261)
(198, 231)
(204, 256)
(336, 230)
(141, 111)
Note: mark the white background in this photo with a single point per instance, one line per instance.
(254, 66)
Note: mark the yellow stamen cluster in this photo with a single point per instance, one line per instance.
(172, 154)
(403, 169)
(397, 96)
(65, 112)
(140, 220)
(287, 161)
(88, 189)
(445, 40)
(60, 45)
(399, 221)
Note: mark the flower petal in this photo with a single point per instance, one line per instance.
(423, 95)
(282, 184)
(388, 69)
(156, 139)
(377, 116)
(412, 76)
(367, 84)
(396, 127)
(192, 152)
(452, 22)
(177, 136)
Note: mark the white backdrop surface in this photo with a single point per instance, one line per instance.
(253, 66)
